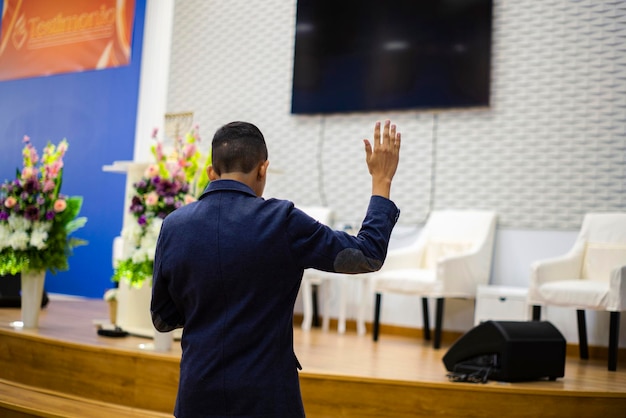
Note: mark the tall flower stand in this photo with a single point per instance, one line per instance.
(133, 316)
(32, 292)
(163, 340)
(133, 304)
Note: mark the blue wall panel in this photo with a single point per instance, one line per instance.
(96, 111)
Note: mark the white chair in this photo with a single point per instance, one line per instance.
(592, 275)
(323, 280)
(311, 280)
(450, 258)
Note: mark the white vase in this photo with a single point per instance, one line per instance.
(32, 292)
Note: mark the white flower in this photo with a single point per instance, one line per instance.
(39, 234)
(19, 240)
(141, 254)
(42, 226)
(132, 234)
(155, 226)
(38, 239)
(19, 223)
(5, 233)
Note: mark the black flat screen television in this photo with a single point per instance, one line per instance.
(373, 55)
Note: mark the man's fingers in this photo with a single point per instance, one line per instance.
(376, 135)
(368, 149)
(392, 135)
(386, 133)
(388, 139)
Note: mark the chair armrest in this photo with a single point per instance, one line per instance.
(617, 293)
(409, 257)
(559, 268)
(566, 267)
(462, 273)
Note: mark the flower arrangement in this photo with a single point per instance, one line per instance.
(175, 178)
(36, 220)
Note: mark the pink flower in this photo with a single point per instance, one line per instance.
(34, 157)
(62, 148)
(152, 198)
(190, 150)
(60, 205)
(180, 176)
(28, 172)
(189, 198)
(151, 171)
(54, 169)
(48, 186)
(10, 202)
(159, 152)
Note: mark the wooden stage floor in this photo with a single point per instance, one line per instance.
(343, 375)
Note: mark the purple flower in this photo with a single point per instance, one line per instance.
(31, 186)
(136, 205)
(168, 188)
(49, 215)
(142, 220)
(141, 184)
(168, 200)
(41, 200)
(4, 216)
(31, 213)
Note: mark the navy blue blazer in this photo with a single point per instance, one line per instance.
(228, 268)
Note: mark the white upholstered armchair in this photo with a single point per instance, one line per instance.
(311, 280)
(592, 275)
(317, 280)
(450, 258)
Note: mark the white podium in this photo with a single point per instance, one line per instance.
(133, 304)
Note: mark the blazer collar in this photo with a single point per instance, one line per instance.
(227, 185)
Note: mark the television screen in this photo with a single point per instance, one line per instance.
(372, 55)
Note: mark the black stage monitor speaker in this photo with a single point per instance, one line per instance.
(10, 292)
(508, 351)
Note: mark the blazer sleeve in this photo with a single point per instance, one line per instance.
(320, 247)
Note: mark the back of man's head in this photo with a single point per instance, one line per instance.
(237, 147)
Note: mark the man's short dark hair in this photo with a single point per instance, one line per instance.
(237, 147)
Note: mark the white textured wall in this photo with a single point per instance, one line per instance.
(551, 147)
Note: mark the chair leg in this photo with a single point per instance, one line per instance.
(438, 323)
(307, 295)
(364, 288)
(341, 320)
(582, 334)
(425, 315)
(316, 315)
(536, 312)
(376, 316)
(613, 340)
(324, 292)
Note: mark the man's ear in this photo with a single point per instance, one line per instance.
(262, 171)
(212, 173)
